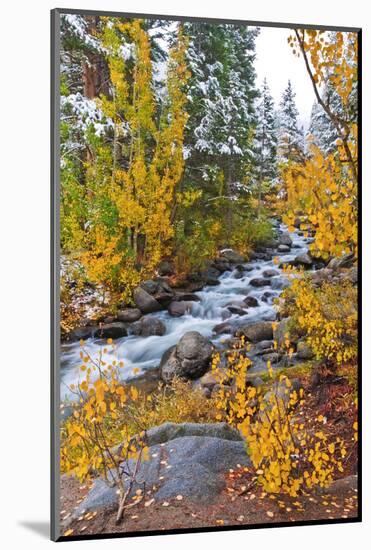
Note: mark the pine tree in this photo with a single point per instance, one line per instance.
(265, 141)
(290, 144)
(222, 92)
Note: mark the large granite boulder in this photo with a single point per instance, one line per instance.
(185, 459)
(189, 359)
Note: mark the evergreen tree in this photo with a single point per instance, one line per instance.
(265, 141)
(222, 94)
(290, 144)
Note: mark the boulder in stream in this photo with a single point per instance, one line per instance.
(283, 248)
(145, 302)
(270, 273)
(285, 240)
(223, 328)
(232, 256)
(110, 330)
(303, 260)
(255, 332)
(211, 276)
(177, 309)
(129, 315)
(188, 359)
(149, 326)
(251, 301)
(258, 282)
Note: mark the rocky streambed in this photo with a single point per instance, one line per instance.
(233, 296)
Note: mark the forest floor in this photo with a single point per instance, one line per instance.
(234, 506)
(243, 501)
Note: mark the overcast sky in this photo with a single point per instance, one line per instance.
(275, 61)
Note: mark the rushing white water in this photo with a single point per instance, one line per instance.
(141, 353)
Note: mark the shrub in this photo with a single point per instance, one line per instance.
(286, 455)
(328, 316)
(108, 413)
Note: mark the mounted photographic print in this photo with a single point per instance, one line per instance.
(205, 184)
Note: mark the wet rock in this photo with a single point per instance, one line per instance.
(259, 282)
(222, 264)
(238, 275)
(232, 256)
(277, 283)
(80, 333)
(304, 260)
(177, 309)
(129, 315)
(189, 359)
(283, 248)
(260, 256)
(165, 268)
(211, 276)
(111, 330)
(235, 310)
(267, 296)
(251, 301)
(150, 286)
(273, 243)
(187, 297)
(255, 332)
(149, 326)
(285, 240)
(159, 289)
(297, 223)
(109, 319)
(223, 328)
(145, 302)
(270, 273)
